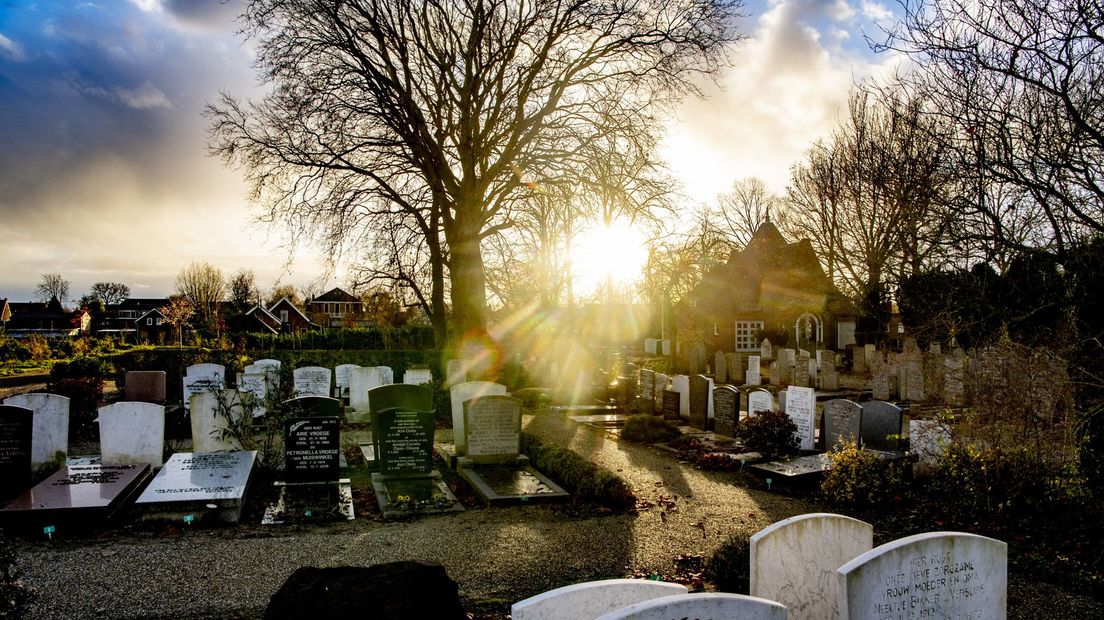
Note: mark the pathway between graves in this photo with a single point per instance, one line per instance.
(501, 553)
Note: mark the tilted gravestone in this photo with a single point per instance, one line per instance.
(132, 434)
(881, 426)
(50, 428)
(794, 561)
(726, 406)
(842, 422)
(16, 430)
(801, 407)
(312, 381)
(458, 395)
(932, 575)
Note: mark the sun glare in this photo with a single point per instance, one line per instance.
(616, 252)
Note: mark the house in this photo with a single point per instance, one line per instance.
(291, 318)
(120, 319)
(152, 327)
(45, 319)
(771, 288)
(336, 308)
(256, 319)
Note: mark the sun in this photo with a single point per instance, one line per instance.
(608, 253)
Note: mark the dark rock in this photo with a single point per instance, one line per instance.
(394, 590)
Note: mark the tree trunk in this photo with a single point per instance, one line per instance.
(437, 317)
(469, 293)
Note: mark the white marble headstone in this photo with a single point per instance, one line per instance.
(707, 605)
(801, 407)
(591, 599)
(341, 377)
(256, 385)
(210, 421)
(681, 384)
(387, 375)
(932, 575)
(417, 376)
(49, 426)
(132, 433)
(312, 381)
(651, 346)
(201, 378)
(458, 395)
(794, 561)
(361, 380)
(760, 400)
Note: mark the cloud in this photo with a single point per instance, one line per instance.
(144, 97)
(876, 11)
(11, 50)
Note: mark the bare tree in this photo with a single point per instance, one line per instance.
(450, 111)
(1020, 83)
(52, 286)
(741, 211)
(109, 292)
(203, 286)
(281, 291)
(243, 290)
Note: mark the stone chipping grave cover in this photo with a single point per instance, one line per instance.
(794, 561)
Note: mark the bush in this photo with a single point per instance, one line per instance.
(578, 475)
(84, 394)
(646, 428)
(771, 433)
(80, 367)
(38, 348)
(729, 568)
(11, 349)
(858, 478)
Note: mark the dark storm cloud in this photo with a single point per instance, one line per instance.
(210, 13)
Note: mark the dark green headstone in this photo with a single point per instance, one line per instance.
(404, 440)
(312, 449)
(401, 396)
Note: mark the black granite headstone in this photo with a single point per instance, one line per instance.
(726, 409)
(312, 449)
(16, 424)
(405, 440)
(313, 406)
(699, 402)
(671, 401)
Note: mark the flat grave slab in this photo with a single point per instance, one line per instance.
(584, 409)
(400, 496)
(311, 501)
(796, 467)
(78, 493)
(507, 484)
(208, 485)
(611, 419)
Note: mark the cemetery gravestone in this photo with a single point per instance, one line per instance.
(78, 492)
(387, 375)
(842, 423)
(405, 441)
(647, 390)
(662, 382)
(342, 375)
(681, 384)
(492, 429)
(202, 378)
(255, 384)
(145, 385)
(801, 407)
(794, 561)
(720, 370)
(312, 448)
(910, 376)
(879, 383)
(734, 364)
(16, 430)
(932, 575)
(650, 346)
(703, 606)
(456, 372)
(209, 486)
(858, 360)
(311, 381)
(699, 402)
(666, 347)
(417, 376)
(313, 406)
(50, 428)
(801, 370)
(954, 378)
(212, 416)
(726, 403)
(760, 400)
(672, 402)
(132, 434)
(775, 370)
(881, 426)
(458, 395)
(591, 599)
(361, 382)
(829, 381)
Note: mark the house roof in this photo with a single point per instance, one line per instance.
(259, 308)
(149, 312)
(336, 294)
(284, 300)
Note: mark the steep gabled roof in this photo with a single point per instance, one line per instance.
(336, 294)
(284, 300)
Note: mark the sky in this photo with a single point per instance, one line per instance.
(104, 174)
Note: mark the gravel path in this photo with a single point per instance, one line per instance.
(502, 554)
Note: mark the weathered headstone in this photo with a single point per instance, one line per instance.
(361, 381)
(699, 402)
(858, 360)
(720, 368)
(665, 346)
(387, 375)
(794, 561)
(829, 381)
(766, 350)
(417, 376)
(208, 486)
(881, 426)
(50, 434)
(760, 400)
(16, 430)
(646, 391)
(662, 382)
(312, 381)
(458, 395)
(650, 346)
(342, 373)
(145, 385)
(775, 370)
(703, 605)
(255, 384)
(801, 407)
(214, 414)
(405, 441)
(672, 402)
(945, 575)
(591, 599)
(880, 388)
(726, 406)
(456, 372)
(492, 429)
(202, 378)
(752, 377)
(681, 384)
(734, 365)
(954, 365)
(801, 370)
(910, 376)
(842, 423)
(132, 434)
(312, 449)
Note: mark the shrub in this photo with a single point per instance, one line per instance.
(858, 478)
(80, 367)
(84, 394)
(38, 348)
(578, 475)
(12, 349)
(771, 433)
(646, 428)
(729, 568)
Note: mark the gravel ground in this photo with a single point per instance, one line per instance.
(496, 555)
